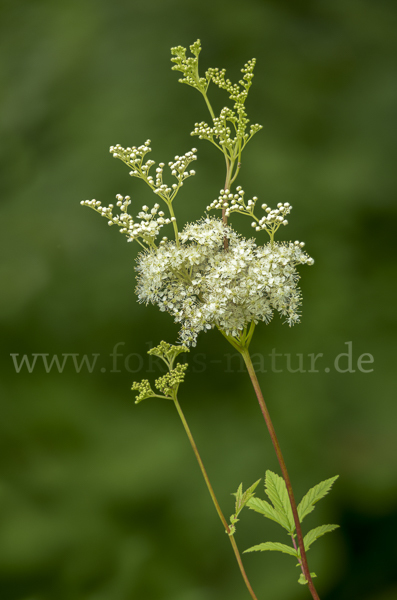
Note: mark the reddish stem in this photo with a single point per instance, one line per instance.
(276, 445)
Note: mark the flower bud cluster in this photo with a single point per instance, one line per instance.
(189, 66)
(133, 157)
(273, 218)
(147, 229)
(167, 352)
(220, 131)
(270, 222)
(235, 92)
(178, 170)
(234, 202)
(254, 128)
(218, 77)
(144, 389)
(169, 383)
(221, 134)
(248, 76)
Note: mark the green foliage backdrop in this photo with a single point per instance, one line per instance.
(101, 499)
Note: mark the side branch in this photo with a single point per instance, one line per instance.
(214, 499)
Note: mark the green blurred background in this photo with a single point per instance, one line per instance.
(101, 499)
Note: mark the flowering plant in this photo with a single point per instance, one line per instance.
(210, 276)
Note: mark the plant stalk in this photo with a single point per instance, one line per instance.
(251, 371)
(214, 499)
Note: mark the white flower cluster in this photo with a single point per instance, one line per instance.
(133, 158)
(203, 286)
(147, 228)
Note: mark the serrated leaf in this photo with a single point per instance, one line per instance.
(248, 494)
(239, 495)
(243, 498)
(276, 490)
(314, 534)
(273, 546)
(306, 505)
(267, 510)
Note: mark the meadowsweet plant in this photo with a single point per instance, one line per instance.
(207, 275)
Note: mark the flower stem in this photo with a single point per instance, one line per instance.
(214, 499)
(250, 368)
(208, 105)
(175, 226)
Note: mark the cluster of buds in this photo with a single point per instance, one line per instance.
(235, 92)
(248, 76)
(178, 170)
(254, 128)
(273, 219)
(218, 77)
(150, 224)
(220, 134)
(133, 158)
(234, 202)
(270, 222)
(148, 228)
(220, 130)
(189, 66)
(144, 390)
(169, 383)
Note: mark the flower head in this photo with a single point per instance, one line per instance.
(203, 286)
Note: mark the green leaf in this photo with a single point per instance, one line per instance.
(232, 526)
(277, 492)
(302, 579)
(266, 509)
(275, 546)
(243, 498)
(306, 505)
(314, 534)
(239, 495)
